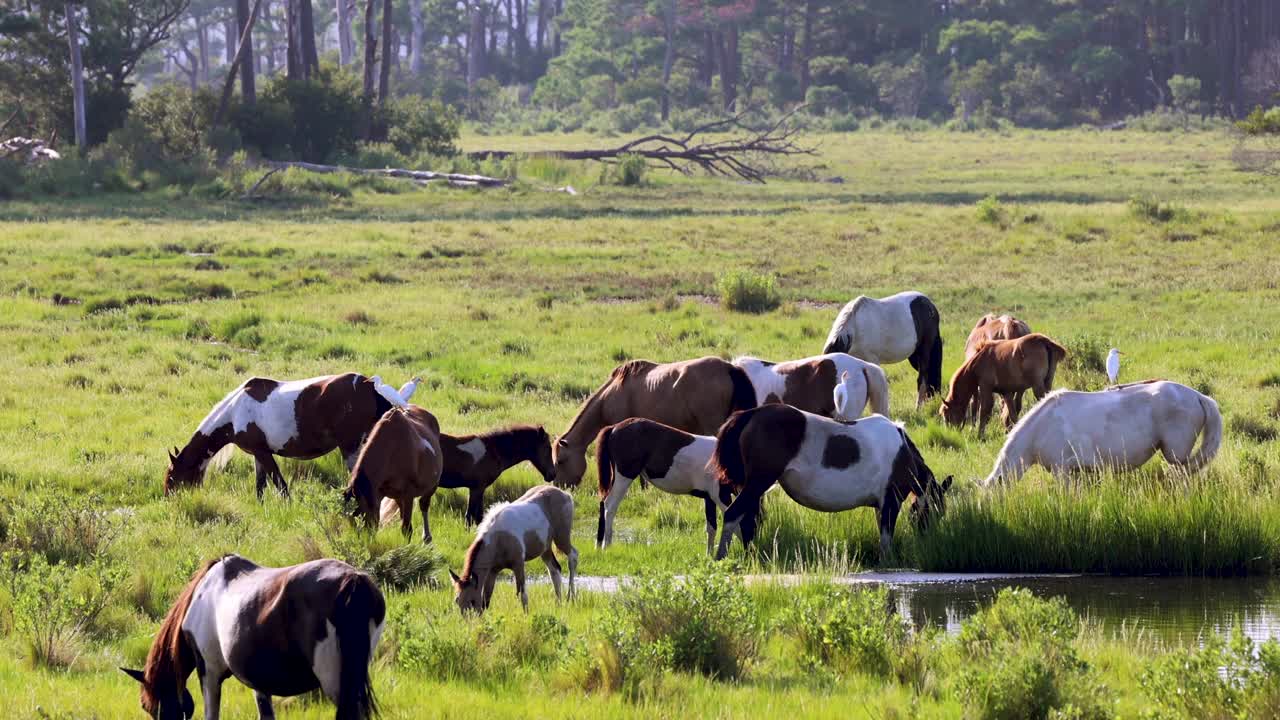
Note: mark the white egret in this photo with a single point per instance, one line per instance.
(406, 390)
(391, 394)
(1113, 365)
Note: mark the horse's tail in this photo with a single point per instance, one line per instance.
(359, 611)
(387, 512)
(1056, 354)
(877, 389)
(1210, 434)
(726, 464)
(744, 393)
(222, 458)
(933, 381)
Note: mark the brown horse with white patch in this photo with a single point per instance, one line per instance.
(1004, 367)
(994, 327)
(692, 395)
(280, 631)
(512, 534)
(296, 419)
(476, 461)
(400, 461)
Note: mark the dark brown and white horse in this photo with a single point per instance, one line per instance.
(476, 461)
(693, 395)
(296, 419)
(400, 461)
(670, 459)
(892, 329)
(823, 465)
(280, 631)
(810, 383)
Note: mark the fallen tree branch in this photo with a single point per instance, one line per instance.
(735, 156)
(29, 150)
(418, 175)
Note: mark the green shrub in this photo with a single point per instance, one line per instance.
(1150, 209)
(1220, 679)
(843, 629)
(705, 623)
(54, 606)
(407, 566)
(417, 125)
(822, 99)
(1086, 353)
(1252, 428)
(63, 530)
(313, 120)
(991, 211)
(745, 291)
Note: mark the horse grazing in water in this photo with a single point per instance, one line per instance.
(1120, 428)
(1004, 367)
(400, 461)
(672, 460)
(510, 535)
(892, 329)
(823, 465)
(280, 631)
(693, 395)
(809, 383)
(296, 419)
(476, 461)
(994, 327)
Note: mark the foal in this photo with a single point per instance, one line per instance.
(1004, 367)
(510, 535)
(671, 459)
(400, 461)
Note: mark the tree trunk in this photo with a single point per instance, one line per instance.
(229, 38)
(511, 31)
(806, 48)
(556, 45)
(415, 39)
(370, 57)
(668, 54)
(244, 52)
(77, 78)
(388, 55)
(730, 63)
(475, 45)
(202, 40)
(345, 51)
(293, 51)
(307, 35)
(540, 32)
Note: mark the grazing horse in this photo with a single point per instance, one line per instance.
(673, 460)
(1120, 428)
(823, 465)
(693, 395)
(809, 383)
(1004, 367)
(296, 419)
(400, 461)
(510, 535)
(889, 330)
(994, 327)
(476, 462)
(280, 631)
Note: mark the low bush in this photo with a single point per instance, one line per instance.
(991, 211)
(629, 171)
(55, 605)
(848, 630)
(1152, 210)
(1221, 678)
(61, 529)
(407, 566)
(1252, 428)
(745, 291)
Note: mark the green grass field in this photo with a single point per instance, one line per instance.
(125, 318)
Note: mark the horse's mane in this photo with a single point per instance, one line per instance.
(842, 319)
(743, 359)
(165, 660)
(621, 373)
(486, 526)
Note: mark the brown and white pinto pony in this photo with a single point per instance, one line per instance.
(671, 460)
(1004, 367)
(400, 461)
(280, 631)
(692, 395)
(810, 383)
(476, 461)
(994, 327)
(296, 419)
(823, 465)
(512, 534)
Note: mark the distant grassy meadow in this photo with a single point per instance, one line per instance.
(125, 318)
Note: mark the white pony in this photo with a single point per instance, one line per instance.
(810, 383)
(1121, 427)
(892, 329)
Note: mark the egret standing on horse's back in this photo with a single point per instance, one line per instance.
(1113, 366)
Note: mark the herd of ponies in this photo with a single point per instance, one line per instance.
(725, 432)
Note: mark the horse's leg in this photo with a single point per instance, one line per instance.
(890, 506)
(265, 710)
(406, 516)
(741, 516)
(267, 461)
(475, 503)
(424, 505)
(489, 581)
(211, 690)
(988, 401)
(563, 541)
(709, 506)
(621, 484)
(260, 476)
(553, 567)
(518, 571)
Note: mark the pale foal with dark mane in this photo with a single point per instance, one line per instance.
(823, 465)
(671, 460)
(692, 395)
(280, 631)
(809, 383)
(297, 419)
(399, 462)
(512, 534)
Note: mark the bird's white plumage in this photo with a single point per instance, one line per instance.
(1113, 366)
(406, 390)
(389, 393)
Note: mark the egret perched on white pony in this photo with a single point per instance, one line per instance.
(1113, 365)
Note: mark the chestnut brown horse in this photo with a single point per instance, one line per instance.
(402, 461)
(1004, 367)
(694, 396)
(994, 327)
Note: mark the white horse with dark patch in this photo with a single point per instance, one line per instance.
(892, 329)
(809, 383)
(1119, 428)
(280, 631)
(823, 465)
(671, 460)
